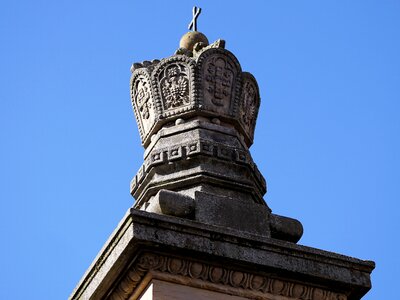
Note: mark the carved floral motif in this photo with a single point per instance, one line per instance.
(142, 97)
(249, 104)
(143, 101)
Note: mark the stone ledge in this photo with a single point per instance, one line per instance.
(229, 280)
(152, 232)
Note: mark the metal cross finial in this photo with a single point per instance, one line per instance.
(193, 23)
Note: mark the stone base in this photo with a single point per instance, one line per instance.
(151, 254)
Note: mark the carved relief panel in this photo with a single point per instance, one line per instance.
(219, 75)
(175, 85)
(143, 101)
(249, 104)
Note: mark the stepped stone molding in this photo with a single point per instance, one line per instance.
(216, 275)
(191, 149)
(149, 245)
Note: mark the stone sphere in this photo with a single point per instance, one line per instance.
(191, 38)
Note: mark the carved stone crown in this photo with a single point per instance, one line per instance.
(196, 113)
(207, 82)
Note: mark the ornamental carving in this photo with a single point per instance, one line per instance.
(142, 101)
(183, 151)
(250, 103)
(219, 80)
(257, 283)
(219, 76)
(142, 97)
(174, 86)
(211, 83)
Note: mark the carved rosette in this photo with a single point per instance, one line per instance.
(219, 76)
(173, 80)
(143, 101)
(249, 104)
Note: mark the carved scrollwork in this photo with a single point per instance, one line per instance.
(142, 96)
(249, 104)
(128, 284)
(143, 101)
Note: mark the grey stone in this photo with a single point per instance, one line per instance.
(200, 219)
(210, 83)
(196, 112)
(284, 228)
(172, 203)
(320, 274)
(232, 213)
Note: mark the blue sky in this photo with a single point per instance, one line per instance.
(327, 137)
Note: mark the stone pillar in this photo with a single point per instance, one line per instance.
(200, 228)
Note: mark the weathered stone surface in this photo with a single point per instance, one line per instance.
(284, 228)
(191, 38)
(196, 113)
(147, 245)
(232, 213)
(220, 76)
(208, 81)
(172, 203)
(203, 155)
(200, 225)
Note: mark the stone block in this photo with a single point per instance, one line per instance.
(171, 203)
(232, 213)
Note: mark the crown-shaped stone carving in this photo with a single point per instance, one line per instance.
(207, 81)
(196, 113)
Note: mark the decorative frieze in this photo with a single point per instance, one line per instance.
(217, 275)
(190, 149)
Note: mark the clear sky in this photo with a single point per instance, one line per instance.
(327, 136)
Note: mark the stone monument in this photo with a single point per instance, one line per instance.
(199, 227)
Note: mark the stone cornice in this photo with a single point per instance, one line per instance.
(214, 277)
(152, 231)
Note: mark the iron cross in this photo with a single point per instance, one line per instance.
(193, 23)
